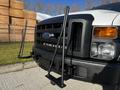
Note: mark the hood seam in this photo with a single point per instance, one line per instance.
(114, 18)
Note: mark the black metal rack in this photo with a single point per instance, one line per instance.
(60, 81)
(20, 54)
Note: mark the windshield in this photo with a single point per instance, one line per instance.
(113, 7)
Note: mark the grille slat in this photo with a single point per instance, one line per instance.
(51, 42)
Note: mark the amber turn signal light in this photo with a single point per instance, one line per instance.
(106, 32)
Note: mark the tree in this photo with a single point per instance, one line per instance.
(105, 1)
(50, 8)
(28, 5)
(114, 1)
(75, 7)
(89, 4)
(39, 7)
(60, 8)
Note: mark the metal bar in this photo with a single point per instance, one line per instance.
(23, 37)
(20, 55)
(60, 81)
(63, 28)
(53, 58)
(63, 49)
(21, 47)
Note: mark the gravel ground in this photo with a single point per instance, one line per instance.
(34, 79)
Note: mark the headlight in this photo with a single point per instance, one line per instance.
(106, 51)
(103, 51)
(94, 50)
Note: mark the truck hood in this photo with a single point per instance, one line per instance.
(101, 17)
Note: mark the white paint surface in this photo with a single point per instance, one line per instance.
(101, 17)
(42, 16)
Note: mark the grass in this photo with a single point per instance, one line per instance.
(9, 53)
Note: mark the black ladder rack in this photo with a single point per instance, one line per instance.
(60, 81)
(20, 54)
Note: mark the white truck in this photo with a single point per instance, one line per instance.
(93, 43)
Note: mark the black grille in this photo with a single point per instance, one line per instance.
(81, 34)
(47, 36)
(76, 33)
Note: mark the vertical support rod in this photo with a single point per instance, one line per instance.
(63, 49)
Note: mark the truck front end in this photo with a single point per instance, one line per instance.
(93, 43)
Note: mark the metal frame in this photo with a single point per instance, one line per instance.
(84, 35)
(20, 54)
(59, 81)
